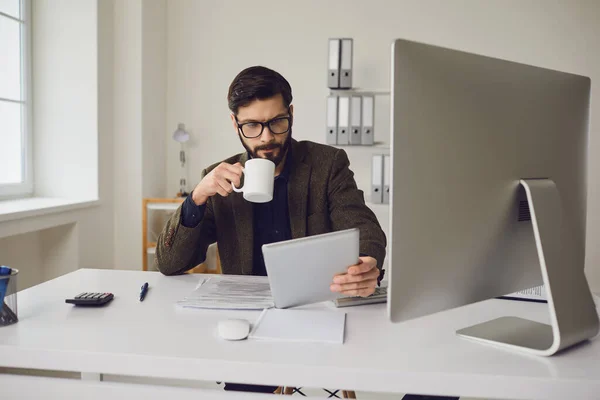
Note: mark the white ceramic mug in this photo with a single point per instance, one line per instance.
(259, 176)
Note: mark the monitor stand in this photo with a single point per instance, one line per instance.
(573, 315)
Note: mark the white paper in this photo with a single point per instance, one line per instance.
(230, 292)
(534, 293)
(300, 326)
(539, 293)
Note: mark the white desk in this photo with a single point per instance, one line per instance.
(154, 338)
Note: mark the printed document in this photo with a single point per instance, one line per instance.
(230, 292)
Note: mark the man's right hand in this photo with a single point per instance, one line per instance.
(219, 181)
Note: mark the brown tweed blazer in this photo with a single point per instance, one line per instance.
(322, 197)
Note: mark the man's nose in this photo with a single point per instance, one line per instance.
(266, 135)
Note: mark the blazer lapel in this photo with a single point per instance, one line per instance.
(244, 227)
(298, 193)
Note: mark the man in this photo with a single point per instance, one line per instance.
(314, 192)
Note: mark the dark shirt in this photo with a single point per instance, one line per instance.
(271, 220)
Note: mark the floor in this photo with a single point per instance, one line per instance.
(309, 392)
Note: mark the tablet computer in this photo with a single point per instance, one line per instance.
(301, 270)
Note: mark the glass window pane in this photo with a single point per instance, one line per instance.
(10, 143)
(10, 51)
(11, 7)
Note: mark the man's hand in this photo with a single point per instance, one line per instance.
(219, 181)
(360, 280)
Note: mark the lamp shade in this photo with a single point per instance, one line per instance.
(181, 135)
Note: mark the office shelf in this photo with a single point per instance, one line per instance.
(154, 204)
(169, 205)
(164, 206)
(359, 91)
(376, 145)
(360, 155)
(378, 206)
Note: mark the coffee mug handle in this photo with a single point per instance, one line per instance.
(240, 189)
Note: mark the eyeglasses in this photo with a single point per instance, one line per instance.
(254, 129)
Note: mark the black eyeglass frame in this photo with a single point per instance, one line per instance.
(263, 124)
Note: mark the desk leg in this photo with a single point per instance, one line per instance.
(91, 376)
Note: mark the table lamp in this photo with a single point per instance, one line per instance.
(181, 135)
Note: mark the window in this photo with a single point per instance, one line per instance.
(15, 99)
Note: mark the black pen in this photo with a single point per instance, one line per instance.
(144, 291)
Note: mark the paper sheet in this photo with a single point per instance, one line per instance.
(230, 292)
(538, 293)
(534, 293)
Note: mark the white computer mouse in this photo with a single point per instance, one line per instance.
(233, 329)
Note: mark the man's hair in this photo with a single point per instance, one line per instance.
(257, 83)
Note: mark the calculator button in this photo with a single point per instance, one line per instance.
(80, 295)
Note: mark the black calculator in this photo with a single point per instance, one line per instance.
(90, 299)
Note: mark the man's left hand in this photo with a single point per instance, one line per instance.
(360, 280)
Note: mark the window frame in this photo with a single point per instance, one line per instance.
(25, 188)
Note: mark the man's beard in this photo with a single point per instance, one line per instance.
(277, 159)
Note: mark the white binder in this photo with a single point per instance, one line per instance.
(332, 115)
(367, 120)
(355, 117)
(333, 72)
(346, 64)
(377, 179)
(386, 178)
(343, 132)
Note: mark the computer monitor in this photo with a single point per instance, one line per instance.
(489, 161)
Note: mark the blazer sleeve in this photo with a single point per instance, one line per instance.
(180, 248)
(347, 209)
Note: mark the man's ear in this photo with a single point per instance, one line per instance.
(292, 110)
(234, 123)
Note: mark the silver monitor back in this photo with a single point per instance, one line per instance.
(466, 129)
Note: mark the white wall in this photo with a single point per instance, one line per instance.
(139, 120)
(47, 246)
(128, 132)
(154, 97)
(23, 252)
(210, 42)
(102, 111)
(65, 100)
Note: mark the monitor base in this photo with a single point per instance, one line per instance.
(573, 316)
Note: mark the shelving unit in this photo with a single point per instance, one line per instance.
(360, 155)
(163, 205)
(359, 92)
(170, 205)
(359, 151)
(154, 204)
(376, 145)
